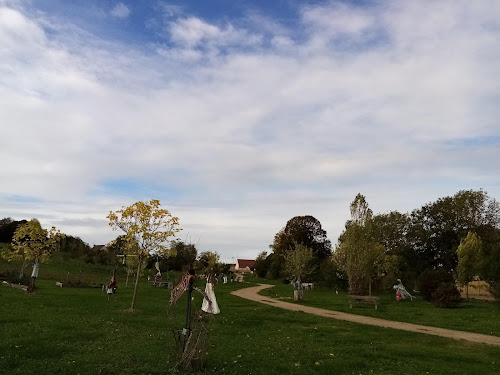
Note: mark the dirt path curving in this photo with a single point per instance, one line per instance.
(252, 294)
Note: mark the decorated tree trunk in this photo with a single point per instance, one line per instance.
(298, 294)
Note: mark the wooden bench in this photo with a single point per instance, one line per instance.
(367, 299)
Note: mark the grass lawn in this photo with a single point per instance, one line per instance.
(78, 331)
(471, 316)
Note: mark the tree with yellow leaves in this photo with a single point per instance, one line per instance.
(33, 243)
(147, 228)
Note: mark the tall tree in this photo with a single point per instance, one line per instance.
(184, 256)
(33, 243)
(391, 230)
(358, 255)
(262, 264)
(438, 227)
(360, 212)
(147, 228)
(303, 230)
(469, 256)
(7, 228)
(490, 260)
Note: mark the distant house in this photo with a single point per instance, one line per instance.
(244, 265)
(232, 267)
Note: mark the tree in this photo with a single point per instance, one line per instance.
(490, 260)
(358, 255)
(303, 230)
(7, 228)
(184, 256)
(469, 256)
(438, 227)
(361, 259)
(261, 265)
(147, 228)
(391, 230)
(297, 267)
(33, 243)
(360, 212)
(208, 263)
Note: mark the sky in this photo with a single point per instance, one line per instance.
(239, 115)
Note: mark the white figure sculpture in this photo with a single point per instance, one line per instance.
(403, 293)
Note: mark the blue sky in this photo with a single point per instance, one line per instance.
(239, 115)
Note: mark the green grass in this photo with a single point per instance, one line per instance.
(78, 331)
(471, 316)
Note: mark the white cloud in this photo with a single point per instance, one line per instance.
(193, 33)
(254, 135)
(120, 10)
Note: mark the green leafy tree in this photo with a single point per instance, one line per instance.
(469, 257)
(262, 264)
(360, 212)
(303, 230)
(490, 260)
(184, 256)
(147, 229)
(297, 267)
(208, 263)
(7, 228)
(438, 227)
(391, 231)
(33, 243)
(358, 255)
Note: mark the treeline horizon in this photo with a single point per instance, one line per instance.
(425, 238)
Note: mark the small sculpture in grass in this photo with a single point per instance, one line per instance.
(401, 292)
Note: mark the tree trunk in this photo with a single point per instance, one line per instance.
(467, 290)
(31, 287)
(132, 306)
(34, 275)
(370, 287)
(21, 274)
(298, 295)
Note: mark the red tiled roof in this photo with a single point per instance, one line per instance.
(243, 263)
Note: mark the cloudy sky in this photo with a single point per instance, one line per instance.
(239, 115)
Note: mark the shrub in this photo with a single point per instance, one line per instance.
(431, 279)
(13, 277)
(446, 296)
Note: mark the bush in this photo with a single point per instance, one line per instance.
(447, 296)
(13, 277)
(431, 279)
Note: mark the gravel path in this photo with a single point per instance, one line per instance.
(252, 294)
